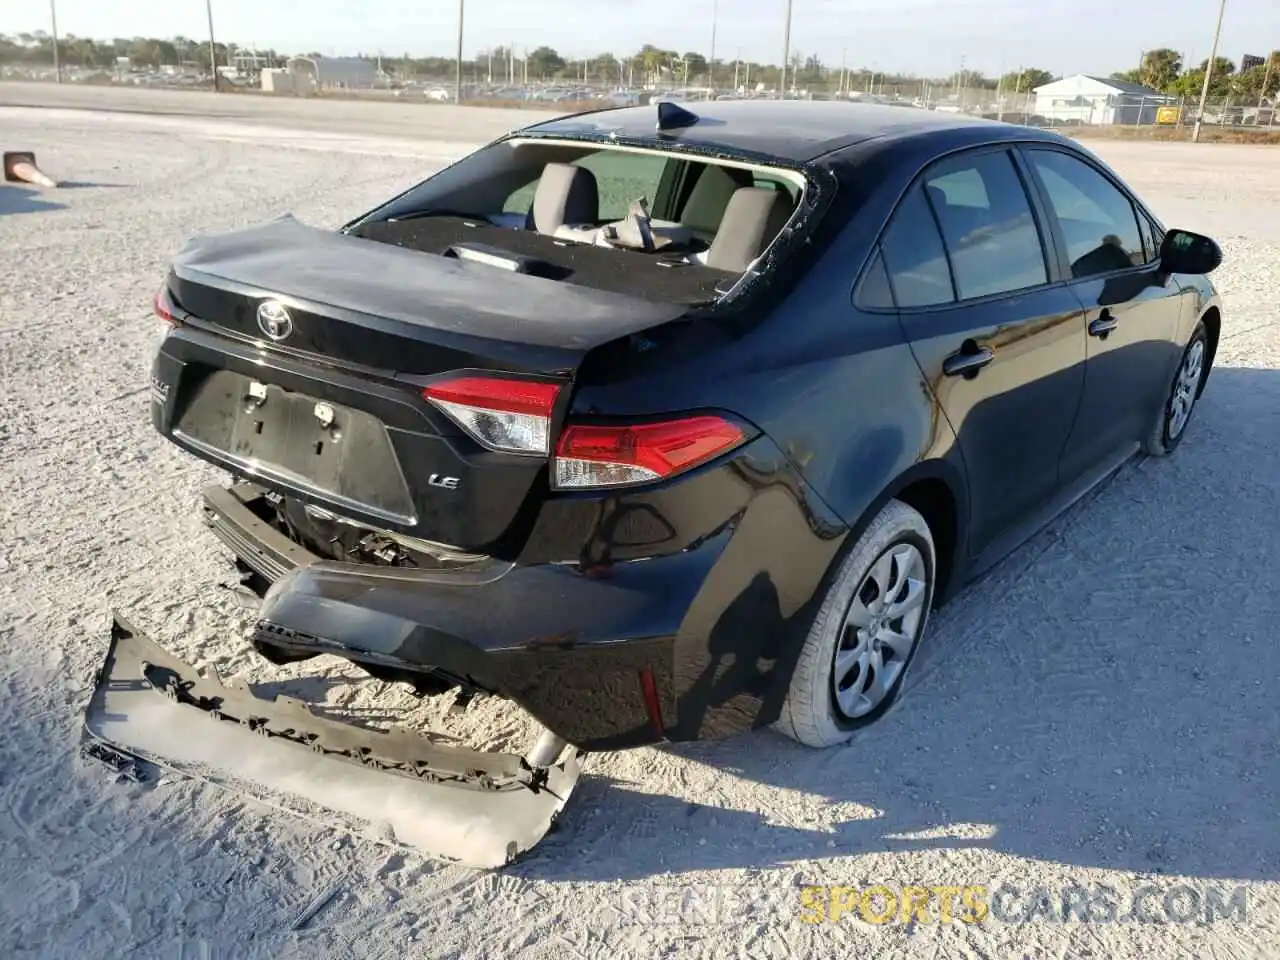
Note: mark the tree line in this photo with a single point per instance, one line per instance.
(1162, 69)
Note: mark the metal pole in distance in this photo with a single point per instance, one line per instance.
(57, 57)
(1208, 72)
(457, 92)
(213, 50)
(711, 64)
(786, 55)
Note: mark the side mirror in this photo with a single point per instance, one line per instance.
(1185, 252)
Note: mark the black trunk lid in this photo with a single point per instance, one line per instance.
(328, 407)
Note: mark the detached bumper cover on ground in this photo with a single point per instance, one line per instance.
(483, 809)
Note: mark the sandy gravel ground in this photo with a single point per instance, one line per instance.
(1099, 710)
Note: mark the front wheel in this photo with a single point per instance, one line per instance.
(866, 632)
(1180, 402)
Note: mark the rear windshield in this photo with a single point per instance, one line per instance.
(660, 225)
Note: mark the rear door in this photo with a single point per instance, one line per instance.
(1131, 315)
(1000, 344)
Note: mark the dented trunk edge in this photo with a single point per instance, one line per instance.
(480, 808)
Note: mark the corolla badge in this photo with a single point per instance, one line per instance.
(274, 319)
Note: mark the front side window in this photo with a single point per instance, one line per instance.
(987, 224)
(1097, 220)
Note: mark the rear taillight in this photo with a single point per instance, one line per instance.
(609, 456)
(513, 416)
(165, 308)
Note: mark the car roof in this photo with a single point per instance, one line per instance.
(792, 130)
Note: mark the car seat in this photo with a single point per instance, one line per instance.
(566, 195)
(752, 218)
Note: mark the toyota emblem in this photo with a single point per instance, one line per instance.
(274, 319)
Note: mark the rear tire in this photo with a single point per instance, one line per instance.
(865, 634)
(1180, 402)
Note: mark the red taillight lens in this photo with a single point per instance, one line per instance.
(513, 416)
(165, 308)
(594, 456)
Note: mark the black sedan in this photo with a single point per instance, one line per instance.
(666, 422)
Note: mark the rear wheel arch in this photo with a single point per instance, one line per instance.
(936, 490)
(933, 498)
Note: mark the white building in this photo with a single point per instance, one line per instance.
(348, 72)
(278, 80)
(1093, 100)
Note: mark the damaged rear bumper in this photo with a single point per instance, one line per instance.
(478, 808)
(588, 657)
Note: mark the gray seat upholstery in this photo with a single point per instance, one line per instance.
(566, 195)
(709, 199)
(752, 219)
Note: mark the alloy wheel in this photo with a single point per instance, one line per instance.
(1185, 385)
(880, 630)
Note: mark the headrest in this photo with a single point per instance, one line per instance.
(752, 219)
(566, 195)
(711, 194)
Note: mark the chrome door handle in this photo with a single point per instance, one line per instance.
(967, 363)
(1103, 324)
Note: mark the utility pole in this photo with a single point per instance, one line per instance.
(786, 55)
(213, 49)
(457, 76)
(1266, 81)
(711, 64)
(1208, 72)
(58, 59)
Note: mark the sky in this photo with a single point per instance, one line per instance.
(929, 37)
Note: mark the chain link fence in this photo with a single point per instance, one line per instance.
(503, 78)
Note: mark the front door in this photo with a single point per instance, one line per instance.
(1001, 345)
(1131, 315)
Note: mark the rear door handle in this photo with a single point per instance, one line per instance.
(1103, 324)
(967, 363)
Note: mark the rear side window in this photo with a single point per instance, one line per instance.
(874, 292)
(914, 256)
(1097, 220)
(987, 224)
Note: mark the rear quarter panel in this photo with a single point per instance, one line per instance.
(836, 389)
